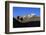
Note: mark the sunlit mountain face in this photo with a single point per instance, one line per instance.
(27, 21)
(26, 17)
(33, 22)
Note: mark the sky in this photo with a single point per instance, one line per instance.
(21, 11)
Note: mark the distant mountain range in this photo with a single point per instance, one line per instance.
(34, 22)
(28, 18)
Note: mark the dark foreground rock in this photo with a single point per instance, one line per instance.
(17, 24)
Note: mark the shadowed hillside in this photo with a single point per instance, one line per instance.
(16, 23)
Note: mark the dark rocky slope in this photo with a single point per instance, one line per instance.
(17, 24)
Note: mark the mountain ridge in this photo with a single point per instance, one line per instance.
(28, 19)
